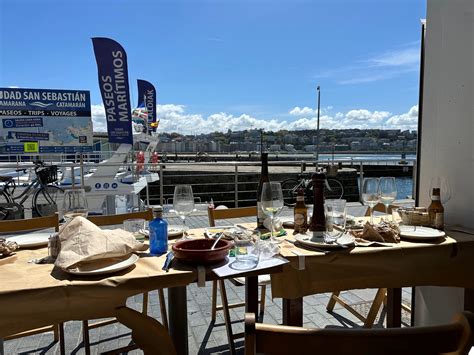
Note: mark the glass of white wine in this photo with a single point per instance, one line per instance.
(183, 204)
(272, 203)
(388, 191)
(74, 204)
(371, 195)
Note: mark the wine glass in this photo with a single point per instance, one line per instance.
(271, 202)
(183, 204)
(442, 183)
(371, 194)
(388, 191)
(74, 204)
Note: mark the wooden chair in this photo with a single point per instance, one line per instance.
(380, 296)
(24, 225)
(107, 220)
(454, 338)
(263, 280)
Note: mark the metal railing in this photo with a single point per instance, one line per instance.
(87, 163)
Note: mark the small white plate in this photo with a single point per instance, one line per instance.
(30, 240)
(90, 270)
(420, 233)
(211, 232)
(306, 239)
(175, 230)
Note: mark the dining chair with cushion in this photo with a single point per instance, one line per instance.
(107, 220)
(263, 280)
(27, 225)
(454, 338)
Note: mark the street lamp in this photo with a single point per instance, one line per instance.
(317, 132)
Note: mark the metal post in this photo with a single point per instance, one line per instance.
(361, 180)
(82, 170)
(317, 132)
(414, 173)
(161, 186)
(236, 185)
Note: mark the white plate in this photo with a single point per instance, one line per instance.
(306, 239)
(420, 233)
(210, 232)
(90, 270)
(175, 230)
(29, 240)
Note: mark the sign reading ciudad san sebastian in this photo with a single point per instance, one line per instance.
(45, 121)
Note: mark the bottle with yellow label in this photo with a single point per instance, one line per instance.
(300, 213)
(436, 210)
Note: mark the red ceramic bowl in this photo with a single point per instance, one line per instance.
(198, 251)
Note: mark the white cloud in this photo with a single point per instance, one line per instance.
(401, 57)
(405, 121)
(174, 118)
(298, 111)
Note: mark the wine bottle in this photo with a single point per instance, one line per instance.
(436, 210)
(300, 213)
(318, 219)
(263, 178)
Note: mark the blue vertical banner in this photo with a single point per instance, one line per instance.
(147, 98)
(113, 82)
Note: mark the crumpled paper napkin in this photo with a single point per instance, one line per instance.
(82, 241)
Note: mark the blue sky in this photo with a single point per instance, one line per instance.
(229, 63)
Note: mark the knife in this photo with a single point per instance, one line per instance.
(169, 259)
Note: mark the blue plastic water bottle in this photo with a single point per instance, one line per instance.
(158, 232)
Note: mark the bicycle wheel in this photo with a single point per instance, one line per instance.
(289, 188)
(4, 203)
(46, 200)
(334, 189)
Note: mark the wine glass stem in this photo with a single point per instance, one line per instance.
(371, 215)
(271, 227)
(185, 232)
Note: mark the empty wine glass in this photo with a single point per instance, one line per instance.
(271, 202)
(74, 204)
(442, 183)
(371, 194)
(388, 191)
(183, 204)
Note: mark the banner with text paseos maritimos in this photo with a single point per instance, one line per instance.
(45, 121)
(113, 82)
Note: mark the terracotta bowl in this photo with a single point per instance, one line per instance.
(198, 251)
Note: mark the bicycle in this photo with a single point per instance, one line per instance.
(333, 189)
(45, 194)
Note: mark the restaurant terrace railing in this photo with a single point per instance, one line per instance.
(231, 182)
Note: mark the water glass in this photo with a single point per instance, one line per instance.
(246, 254)
(335, 212)
(136, 227)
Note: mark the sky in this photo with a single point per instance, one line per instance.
(229, 64)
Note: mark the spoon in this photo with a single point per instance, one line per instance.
(217, 240)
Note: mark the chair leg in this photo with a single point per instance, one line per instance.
(56, 333)
(262, 300)
(332, 301)
(214, 301)
(164, 315)
(228, 324)
(62, 343)
(145, 304)
(374, 309)
(85, 337)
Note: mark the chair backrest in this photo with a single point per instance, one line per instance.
(107, 220)
(455, 338)
(227, 213)
(380, 207)
(20, 225)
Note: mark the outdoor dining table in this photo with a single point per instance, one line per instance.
(447, 261)
(35, 295)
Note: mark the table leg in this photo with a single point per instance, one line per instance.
(293, 311)
(251, 295)
(178, 318)
(394, 307)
